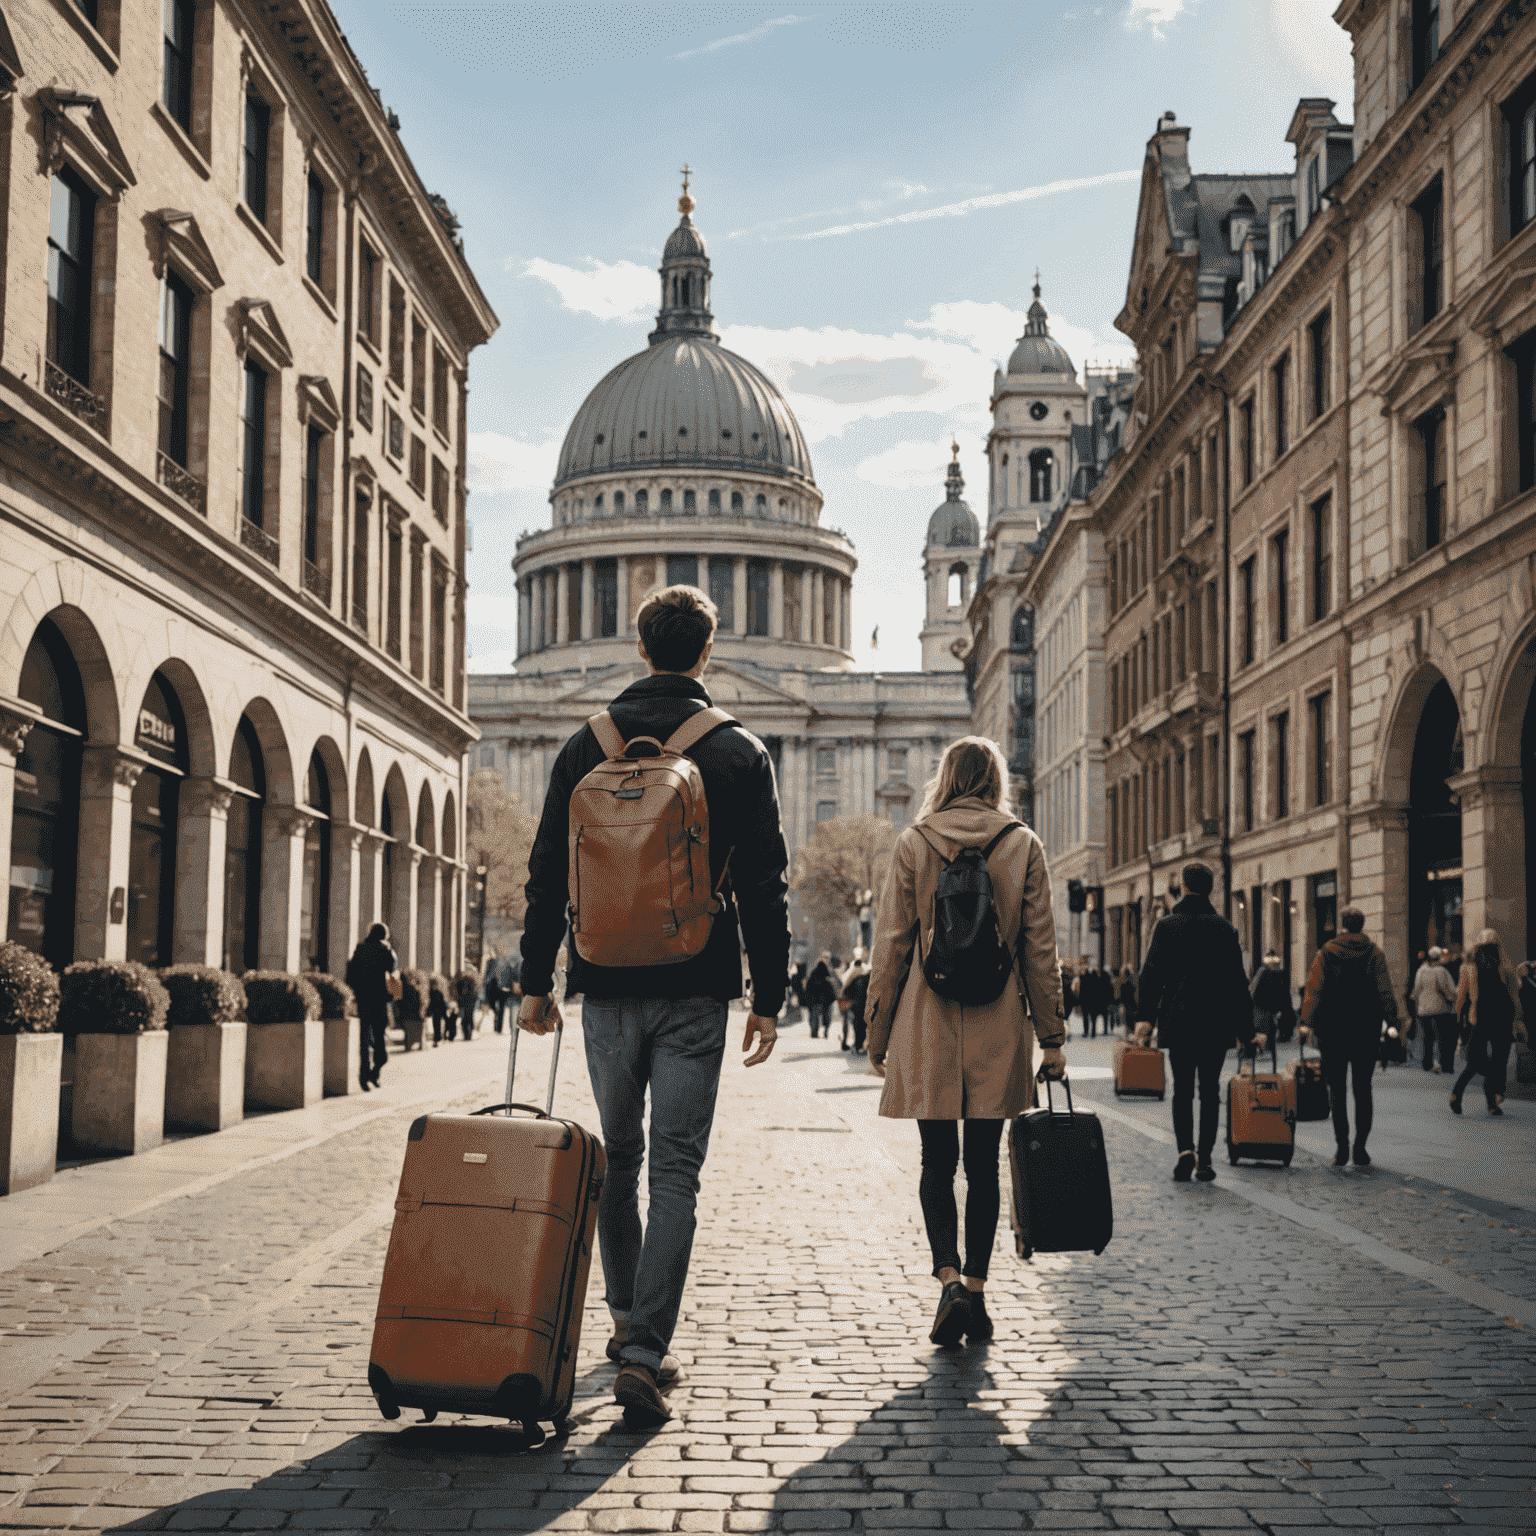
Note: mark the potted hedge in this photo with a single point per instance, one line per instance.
(340, 1059)
(115, 1010)
(205, 1070)
(411, 1009)
(31, 1057)
(284, 1041)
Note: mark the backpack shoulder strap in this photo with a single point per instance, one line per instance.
(607, 733)
(695, 728)
(986, 852)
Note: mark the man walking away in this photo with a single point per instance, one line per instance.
(1195, 989)
(1348, 996)
(1434, 1004)
(856, 993)
(1274, 1013)
(372, 961)
(820, 992)
(661, 1027)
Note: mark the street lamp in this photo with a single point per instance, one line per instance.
(481, 870)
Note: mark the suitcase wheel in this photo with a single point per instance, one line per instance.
(1161, 1097)
(533, 1432)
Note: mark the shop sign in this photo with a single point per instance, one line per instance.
(156, 735)
(1326, 888)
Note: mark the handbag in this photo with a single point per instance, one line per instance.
(393, 986)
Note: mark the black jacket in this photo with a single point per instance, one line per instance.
(1193, 984)
(1349, 992)
(820, 987)
(743, 824)
(371, 962)
(1272, 991)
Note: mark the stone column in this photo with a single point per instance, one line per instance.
(807, 587)
(739, 594)
(588, 596)
(16, 719)
(347, 856)
(776, 599)
(548, 613)
(624, 626)
(816, 637)
(408, 933)
(522, 617)
(283, 829)
(430, 913)
(562, 603)
(106, 821)
(198, 934)
(839, 615)
(1378, 879)
(372, 898)
(1492, 853)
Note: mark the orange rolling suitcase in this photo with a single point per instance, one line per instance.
(1138, 1069)
(1261, 1114)
(485, 1280)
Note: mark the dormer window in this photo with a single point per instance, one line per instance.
(1314, 186)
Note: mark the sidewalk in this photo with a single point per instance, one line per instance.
(1219, 1367)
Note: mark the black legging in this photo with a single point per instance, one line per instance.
(1357, 1059)
(936, 1192)
(1488, 1057)
(1188, 1061)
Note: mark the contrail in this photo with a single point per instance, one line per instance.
(971, 204)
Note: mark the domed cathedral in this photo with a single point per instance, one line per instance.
(951, 559)
(685, 464)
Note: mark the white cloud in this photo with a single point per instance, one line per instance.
(973, 204)
(611, 290)
(912, 465)
(1154, 15)
(498, 463)
(762, 29)
(1317, 43)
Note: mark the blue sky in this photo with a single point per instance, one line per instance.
(876, 182)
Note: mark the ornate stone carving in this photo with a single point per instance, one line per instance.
(79, 401)
(207, 797)
(183, 483)
(16, 719)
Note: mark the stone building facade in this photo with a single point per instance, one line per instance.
(236, 329)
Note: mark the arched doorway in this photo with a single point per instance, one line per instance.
(242, 851)
(428, 884)
(452, 921)
(315, 898)
(45, 826)
(1434, 827)
(160, 733)
(395, 827)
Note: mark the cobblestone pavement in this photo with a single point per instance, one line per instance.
(1236, 1360)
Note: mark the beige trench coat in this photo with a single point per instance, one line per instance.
(944, 1061)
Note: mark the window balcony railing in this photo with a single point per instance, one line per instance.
(317, 582)
(84, 403)
(256, 539)
(183, 483)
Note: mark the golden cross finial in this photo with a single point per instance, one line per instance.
(685, 204)
(1037, 282)
(954, 448)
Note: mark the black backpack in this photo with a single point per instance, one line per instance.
(967, 959)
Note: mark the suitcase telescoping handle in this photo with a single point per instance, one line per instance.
(1043, 1077)
(1251, 1051)
(554, 1062)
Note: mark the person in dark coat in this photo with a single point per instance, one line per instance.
(1194, 988)
(1125, 996)
(855, 992)
(1491, 999)
(1274, 1011)
(820, 994)
(1347, 999)
(371, 962)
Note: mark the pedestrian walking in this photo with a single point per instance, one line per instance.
(1104, 985)
(1347, 1001)
(855, 990)
(946, 1061)
(796, 1001)
(820, 993)
(1194, 988)
(1274, 1012)
(1434, 1005)
(1488, 997)
(1125, 996)
(369, 973)
(659, 1027)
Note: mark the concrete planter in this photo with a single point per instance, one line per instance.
(342, 1056)
(29, 1113)
(284, 1065)
(205, 1076)
(119, 1097)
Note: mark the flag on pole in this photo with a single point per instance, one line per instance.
(874, 638)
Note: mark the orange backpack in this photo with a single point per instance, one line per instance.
(639, 862)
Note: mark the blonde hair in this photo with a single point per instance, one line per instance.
(1489, 939)
(972, 768)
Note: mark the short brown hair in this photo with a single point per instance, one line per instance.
(1352, 920)
(1197, 879)
(675, 625)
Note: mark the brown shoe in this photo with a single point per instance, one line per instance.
(636, 1392)
(665, 1377)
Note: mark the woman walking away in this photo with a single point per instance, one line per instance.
(1125, 995)
(1487, 995)
(820, 989)
(944, 1060)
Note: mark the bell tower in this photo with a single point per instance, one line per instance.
(951, 561)
(685, 279)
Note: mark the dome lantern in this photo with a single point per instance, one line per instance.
(1037, 352)
(685, 279)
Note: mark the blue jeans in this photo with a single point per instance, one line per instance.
(675, 1048)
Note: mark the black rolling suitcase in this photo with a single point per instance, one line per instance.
(1311, 1087)
(1061, 1195)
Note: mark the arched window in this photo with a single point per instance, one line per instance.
(642, 503)
(618, 503)
(687, 292)
(1022, 635)
(315, 901)
(1042, 465)
(738, 503)
(666, 500)
(714, 501)
(161, 734)
(45, 825)
(761, 506)
(597, 505)
(242, 851)
(957, 584)
(690, 501)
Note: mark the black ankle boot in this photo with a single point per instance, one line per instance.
(979, 1329)
(953, 1317)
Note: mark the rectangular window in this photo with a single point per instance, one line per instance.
(439, 670)
(314, 229)
(418, 470)
(682, 570)
(896, 763)
(1320, 709)
(360, 556)
(440, 390)
(1280, 382)
(605, 596)
(1314, 187)
(176, 81)
(368, 293)
(1245, 439)
(1280, 549)
(1321, 334)
(418, 367)
(1425, 22)
(312, 446)
(394, 433)
(826, 762)
(365, 397)
(417, 618)
(396, 333)
(1523, 355)
(757, 597)
(826, 810)
(1197, 778)
(1280, 763)
(722, 591)
(258, 136)
(1427, 228)
(440, 491)
(1520, 148)
(1426, 498)
(792, 609)
(392, 578)
(253, 437)
(1247, 638)
(71, 220)
(175, 367)
(1322, 558)
(1245, 766)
